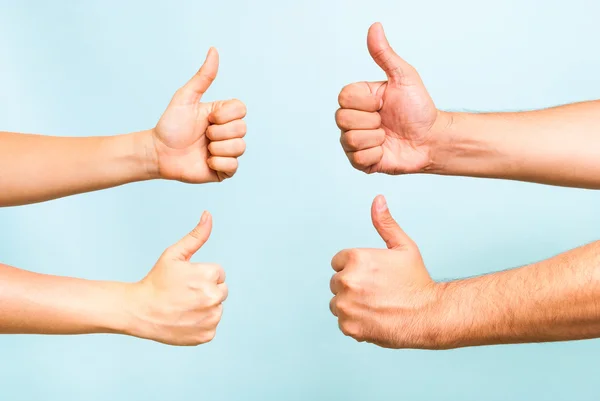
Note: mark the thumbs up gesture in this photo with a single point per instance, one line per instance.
(389, 127)
(179, 302)
(199, 142)
(386, 296)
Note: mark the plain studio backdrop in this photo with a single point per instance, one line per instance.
(105, 67)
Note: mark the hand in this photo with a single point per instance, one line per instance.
(388, 127)
(386, 297)
(179, 302)
(199, 142)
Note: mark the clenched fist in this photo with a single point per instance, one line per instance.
(199, 142)
(388, 127)
(180, 302)
(386, 296)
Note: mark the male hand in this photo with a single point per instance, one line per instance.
(179, 302)
(388, 127)
(198, 142)
(386, 297)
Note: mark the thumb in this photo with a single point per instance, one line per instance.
(192, 242)
(386, 226)
(200, 82)
(379, 48)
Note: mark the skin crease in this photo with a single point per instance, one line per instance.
(387, 297)
(194, 142)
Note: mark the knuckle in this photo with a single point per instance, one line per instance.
(332, 305)
(206, 336)
(351, 284)
(351, 329)
(344, 97)
(333, 283)
(339, 117)
(346, 94)
(359, 159)
(351, 140)
(240, 106)
(241, 147)
(343, 306)
(215, 315)
(234, 166)
(210, 132)
(212, 271)
(354, 256)
(225, 291)
(241, 127)
(212, 299)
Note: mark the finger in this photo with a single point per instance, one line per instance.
(358, 96)
(225, 165)
(340, 260)
(334, 284)
(226, 111)
(393, 65)
(224, 291)
(386, 226)
(227, 148)
(212, 272)
(230, 130)
(333, 307)
(191, 243)
(356, 140)
(205, 76)
(364, 159)
(348, 119)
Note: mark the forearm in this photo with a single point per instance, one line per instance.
(557, 146)
(554, 300)
(35, 168)
(32, 303)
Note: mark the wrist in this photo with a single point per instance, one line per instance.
(442, 143)
(433, 330)
(110, 307)
(137, 309)
(146, 153)
(464, 144)
(442, 326)
(456, 323)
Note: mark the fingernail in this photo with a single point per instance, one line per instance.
(381, 204)
(380, 104)
(204, 217)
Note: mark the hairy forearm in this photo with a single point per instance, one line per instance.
(32, 303)
(557, 146)
(35, 168)
(553, 300)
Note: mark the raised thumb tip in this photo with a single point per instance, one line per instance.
(204, 217)
(386, 226)
(376, 38)
(380, 204)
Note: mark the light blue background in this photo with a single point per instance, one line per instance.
(105, 67)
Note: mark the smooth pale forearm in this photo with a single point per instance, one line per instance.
(36, 168)
(32, 303)
(557, 146)
(554, 300)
